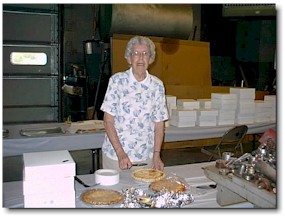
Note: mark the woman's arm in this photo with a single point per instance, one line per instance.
(158, 139)
(124, 161)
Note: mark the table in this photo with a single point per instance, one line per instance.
(192, 173)
(16, 144)
(233, 188)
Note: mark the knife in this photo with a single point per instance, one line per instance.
(212, 186)
(83, 183)
(139, 164)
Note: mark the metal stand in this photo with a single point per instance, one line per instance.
(95, 160)
(105, 58)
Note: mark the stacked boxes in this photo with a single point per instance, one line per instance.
(271, 99)
(49, 180)
(183, 117)
(185, 114)
(226, 104)
(236, 107)
(207, 117)
(204, 103)
(188, 104)
(171, 104)
(262, 111)
(245, 105)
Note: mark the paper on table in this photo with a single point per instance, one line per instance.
(86, 126)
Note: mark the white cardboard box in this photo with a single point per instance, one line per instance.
(48, 185)
(47, 165)
(60, 199)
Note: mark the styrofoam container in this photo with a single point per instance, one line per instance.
(184, 112)
(207, 112)
(224, 96)
(171, 99)
(243, 92)
(179, 124)
(107, 177)
(188, 103)
(182, 119)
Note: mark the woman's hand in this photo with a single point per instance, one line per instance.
(157, 162)
(124, 161)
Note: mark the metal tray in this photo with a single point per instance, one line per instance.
(41, 131)
(5, 133)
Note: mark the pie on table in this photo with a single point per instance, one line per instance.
(167, 185)
(102, 197)
(148, 175)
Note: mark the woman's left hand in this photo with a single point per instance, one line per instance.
(157, 163)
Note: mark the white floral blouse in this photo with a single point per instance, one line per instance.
(136, 106)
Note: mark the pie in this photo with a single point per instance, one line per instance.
(167, 185)
(148, 175)
(102, 197)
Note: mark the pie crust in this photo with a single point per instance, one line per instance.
(102, 197)
(167, 185)
(148, 175)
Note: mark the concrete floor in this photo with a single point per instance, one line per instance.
(13, 166)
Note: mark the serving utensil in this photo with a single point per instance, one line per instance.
(139, 164)
(84, 184)
(212, 186)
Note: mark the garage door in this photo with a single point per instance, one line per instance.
(31, 63)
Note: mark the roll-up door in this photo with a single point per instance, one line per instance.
(31, 63)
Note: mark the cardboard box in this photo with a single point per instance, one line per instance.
(60, 199)
(48, 185)
(47, 165)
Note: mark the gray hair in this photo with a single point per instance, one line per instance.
(140, 40)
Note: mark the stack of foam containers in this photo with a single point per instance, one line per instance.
(204, 103)
(185, 114)
(207, 117)
(226, 105)
(262, 111)
(245, 106)
(183, 117)
(48, 180)
(271, 99)
(188, 104)
(171, 104)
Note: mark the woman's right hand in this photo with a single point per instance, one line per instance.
(124, 161)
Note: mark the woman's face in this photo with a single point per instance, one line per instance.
(140, 58)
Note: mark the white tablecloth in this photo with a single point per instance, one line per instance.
(15, 144)
(192, 173)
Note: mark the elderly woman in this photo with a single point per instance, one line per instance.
(134, 111)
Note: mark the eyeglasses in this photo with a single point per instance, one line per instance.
(138, 54)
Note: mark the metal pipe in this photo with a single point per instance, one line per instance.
(161, 20)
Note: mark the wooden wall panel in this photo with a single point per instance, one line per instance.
(178, 62)
(183, 65)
